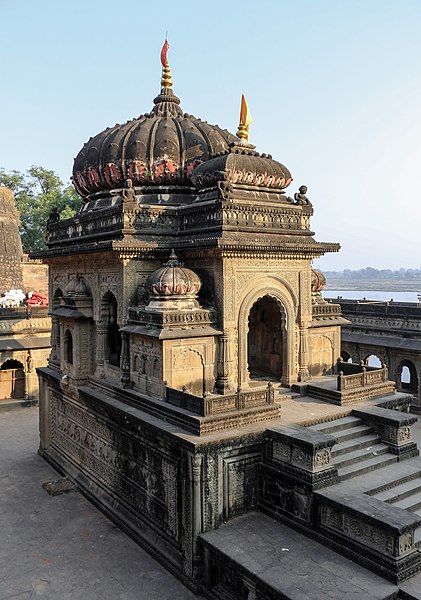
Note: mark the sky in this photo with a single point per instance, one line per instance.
(333, 87)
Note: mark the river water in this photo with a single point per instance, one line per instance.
(372, 295)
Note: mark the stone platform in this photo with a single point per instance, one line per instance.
(277, 562)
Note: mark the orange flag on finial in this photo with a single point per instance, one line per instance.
(164, 60)
(245, 117)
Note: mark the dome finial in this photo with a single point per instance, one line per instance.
(166, 81)
(245, 120)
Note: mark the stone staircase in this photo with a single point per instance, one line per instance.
(354, 484)
(358, 450)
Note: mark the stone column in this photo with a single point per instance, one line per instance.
(101, 347)
(125, 360)
(224, 364)
(303, 373)
(196, 462)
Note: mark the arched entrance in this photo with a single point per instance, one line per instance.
(408, 377)
(12, 380)
(265, 340)
(113, 337)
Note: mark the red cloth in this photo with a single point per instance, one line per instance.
(37, 299)
(164, 51)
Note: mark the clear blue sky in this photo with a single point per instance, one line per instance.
(333, 86)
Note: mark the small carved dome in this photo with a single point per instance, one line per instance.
(241, 165)
(318, 281)
(76, 287)
(173, 280)
(159, 148)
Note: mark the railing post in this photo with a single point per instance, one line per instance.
(340, 380)
(364, 377)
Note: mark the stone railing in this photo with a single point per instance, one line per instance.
(85, 225)
(324, 310)
(24, 312)
(215, 404)
(148, 219)
(363, 379)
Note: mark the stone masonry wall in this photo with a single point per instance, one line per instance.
(10, 243)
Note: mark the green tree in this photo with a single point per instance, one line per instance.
(37, 192)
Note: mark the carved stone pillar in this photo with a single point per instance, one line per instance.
(196, 462)
(224, 364)
(101, 347)
(55, 339)
(303, 373)
(125, 360)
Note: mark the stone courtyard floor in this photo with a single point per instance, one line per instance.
(62, 547)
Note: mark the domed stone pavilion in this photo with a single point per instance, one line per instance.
(185, 315)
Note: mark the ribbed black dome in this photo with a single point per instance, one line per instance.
(159, 148)
(241, 165)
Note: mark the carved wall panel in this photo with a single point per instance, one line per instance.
(190, 364)
(146, 365)
(142, 474)
(240, 483)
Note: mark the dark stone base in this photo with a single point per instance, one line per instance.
(123, 516)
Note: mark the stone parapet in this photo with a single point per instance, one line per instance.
(370, 531)
(303, 453)
(216, 404)
(394, 428)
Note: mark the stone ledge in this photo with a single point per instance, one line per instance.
(374, 511)
(385, 415)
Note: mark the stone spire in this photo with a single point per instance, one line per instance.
(10, 243)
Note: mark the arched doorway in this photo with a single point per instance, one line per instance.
(68, 347)
(113, 336)
(346, 357)
(408, 377)
(265, 340)
(12, 380)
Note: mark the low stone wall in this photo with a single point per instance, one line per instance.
(34, 275)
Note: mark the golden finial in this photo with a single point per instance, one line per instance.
(166, 81)
(245, 120)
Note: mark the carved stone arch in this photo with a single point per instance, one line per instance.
(58, 294)
(68, 346)
(284, 296)
(110, 327)
(412, 385)
(374, 357)
(12, 379)
(189, 371)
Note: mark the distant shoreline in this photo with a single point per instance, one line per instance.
(379, 285)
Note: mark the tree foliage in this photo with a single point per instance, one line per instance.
(37, 192)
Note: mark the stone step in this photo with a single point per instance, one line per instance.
(411, 503)
(360, 455)
(371, 464)
(337, 425)
(352, 433)
(399, 491)
(365, 441)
